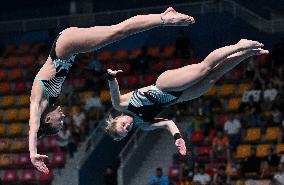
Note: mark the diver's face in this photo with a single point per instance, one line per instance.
(124, 124)
(55, 118)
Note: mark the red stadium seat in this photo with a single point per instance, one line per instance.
(23, 48)
(194, 61)
(15, 74)
(133, 80)
(149, 79)
(3, 74)
(261, 59)
(212, 134)
(177, 63)
(52, 141)
(204, 152)
(121, 80)
(27, 176)
(125, 67)
(40, 144)
(4, 87)
(135, 53)
(12, 61)
(197, 137)
(23, 160)
(212, 168)
(154, 51)
(105, 55)
(223, 118)
(36, 47)
(159, 66)
(9, 177)
(121, 54)
(20, 87)
(169, 51)
(174, 171)
(111, 65)
(58, 159)
(46, 179)
(28, 60)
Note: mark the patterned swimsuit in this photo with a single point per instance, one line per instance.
(145, 106)
(52, 87)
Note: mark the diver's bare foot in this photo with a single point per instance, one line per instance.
(259, 51)
(245, 44)
(173, 18)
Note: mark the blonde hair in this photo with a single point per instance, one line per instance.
(110, 128)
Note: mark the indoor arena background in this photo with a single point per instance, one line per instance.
(242, 115)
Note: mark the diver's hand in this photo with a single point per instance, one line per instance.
(181, 146)
(113, 72)
(37, 161)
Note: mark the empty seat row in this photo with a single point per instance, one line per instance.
(262, 150)
(8, 101)
(123, 54)
(13, 129)
(228, 89)
(14, 114)
(252, 134)
(26, 176)
(20, 144)
(23, 160)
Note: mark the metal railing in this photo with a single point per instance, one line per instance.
(91, 142)
(132, 156)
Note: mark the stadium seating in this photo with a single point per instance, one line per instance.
(226, 90)
(243, 151)
(7, 101)
(211, 92)
(10, 177)
(46, 179)
(27, 176)
(253, 134)
(121, 54)
(135, 53)
(280, 148)
(272, 133)
(234, 104)
(15, 83)
(168, 52)
(4, 144)
(262, 150)
(105, 56)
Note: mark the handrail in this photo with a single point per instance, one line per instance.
(136, 137)
(91, 143)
